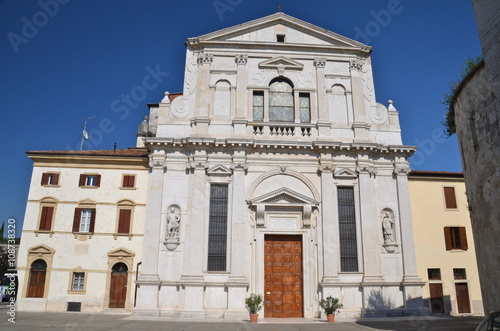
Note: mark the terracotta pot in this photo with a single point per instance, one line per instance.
(330, 317)
(253, 318)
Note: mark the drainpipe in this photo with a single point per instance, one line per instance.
(136, 277)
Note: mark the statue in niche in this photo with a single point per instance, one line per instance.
(173, 222)
(388, 229)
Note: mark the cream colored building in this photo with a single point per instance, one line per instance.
(446, 257)
(83, 230)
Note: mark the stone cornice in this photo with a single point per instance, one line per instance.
(401, 150)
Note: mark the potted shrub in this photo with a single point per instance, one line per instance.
(253, 304)
(330, 305)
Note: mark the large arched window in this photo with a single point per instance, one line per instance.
(281, 105)
(38, 272)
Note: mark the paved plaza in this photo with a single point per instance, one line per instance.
(31, 321)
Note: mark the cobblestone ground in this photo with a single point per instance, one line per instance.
(88, 322)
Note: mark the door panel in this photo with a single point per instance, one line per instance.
(462, 298)
(283, 276)
(118, 290)
(437, 301)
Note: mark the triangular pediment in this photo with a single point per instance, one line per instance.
(121, 252)
(345, 173)
(219, 170)
(41, 249)
(265, 29)
(281, 62)
(283, 196)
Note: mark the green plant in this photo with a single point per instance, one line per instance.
(467, 67)
(254, 303)
(330, 305)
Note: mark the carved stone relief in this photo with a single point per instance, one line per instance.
(172, 238)
(180, 107)
(389, 231)
(378, 114)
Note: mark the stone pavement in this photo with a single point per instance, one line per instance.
(30, 321)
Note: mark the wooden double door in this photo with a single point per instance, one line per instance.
(283, 293)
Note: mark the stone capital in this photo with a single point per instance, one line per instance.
(356, 64)
(205, 58)
(239, 166)
(402, 171)
(367, 169)
(326, 167)
(319, 62)
(241, 59)
(157, 161)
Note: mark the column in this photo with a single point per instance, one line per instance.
(240, 241)
(360, 125)
(147, 294)
(240, 119)
(192, 277)
(202, 119)
(324, 123)
(330, 225)
(412, 284)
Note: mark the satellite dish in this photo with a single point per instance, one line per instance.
(85, 134)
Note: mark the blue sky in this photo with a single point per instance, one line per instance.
(65, 60)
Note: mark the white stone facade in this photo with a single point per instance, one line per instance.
(282, 169)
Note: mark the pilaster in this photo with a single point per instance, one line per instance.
(324, 123)
(202, 119)
(240, 119)
(360, 125)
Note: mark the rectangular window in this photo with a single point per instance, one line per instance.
(89, 180)
(459, 274)
(128, 181)
(78, 282)
(449, 197)
(455, 238)
(280, 38)
(305, 108)
(217, 228)
(84, 220)
(50, 179)
(124, 218)
(258, 106)
(434, 274)
(46, 219)
(347, 229)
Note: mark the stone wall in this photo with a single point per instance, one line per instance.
(478, 129)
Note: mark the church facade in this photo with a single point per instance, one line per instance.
(274, 172)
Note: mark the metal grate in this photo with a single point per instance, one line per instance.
(217, 228)
(74, 306)
(347, 229)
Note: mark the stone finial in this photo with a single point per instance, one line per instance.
(166, 98)
(391, 107)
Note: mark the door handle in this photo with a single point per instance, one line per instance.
(268, 292)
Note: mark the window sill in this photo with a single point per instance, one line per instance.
(76, 292)
(83, 235)
(128, 188)
(89, 187)
(457, 250)
(129, 235)
(50, 233)
(49, 185)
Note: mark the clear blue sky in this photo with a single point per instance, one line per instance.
(60, 64)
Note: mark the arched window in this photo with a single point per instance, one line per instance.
(37, 279)
(281, 104)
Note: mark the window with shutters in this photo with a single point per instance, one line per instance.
(46, 215)
(455, 237)
(84, 218)
(125, 211)
(347, 229)
(217, 228)
(89, 180)
(128, 181)
(50, 179)
(450, 198)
